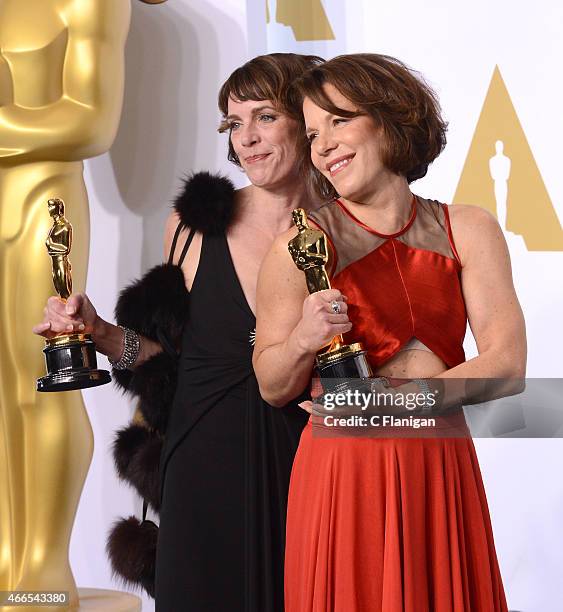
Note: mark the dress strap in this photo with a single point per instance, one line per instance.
(450, 234)
(175, 242)
(186, 246)
(403, 230)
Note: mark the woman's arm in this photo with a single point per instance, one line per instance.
(291, 326)
(60, 317)
(493, 310)
(494, 314)
(78, 314)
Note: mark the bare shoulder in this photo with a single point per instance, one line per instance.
(468, 215)
(172, 222)
(475, 230)
(191, 260)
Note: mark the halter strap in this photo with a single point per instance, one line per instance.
(373, 231)
(450, 234)
(186, 246)
(175, 242)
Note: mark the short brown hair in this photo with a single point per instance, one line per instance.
(396, 97)
(267, 77)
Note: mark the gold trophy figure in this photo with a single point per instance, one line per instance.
(61, 91)
(59, 243)
(310, 254)
(70, 358)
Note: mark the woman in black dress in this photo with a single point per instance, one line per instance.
(227, 455)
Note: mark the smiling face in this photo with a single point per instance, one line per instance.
(265, 142)
(347, 151)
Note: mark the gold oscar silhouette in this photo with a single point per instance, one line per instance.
(61, 91)
(529, 210)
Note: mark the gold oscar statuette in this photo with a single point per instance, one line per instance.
(70, 358)
(310, 254)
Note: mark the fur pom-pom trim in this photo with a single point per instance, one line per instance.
(127, 442)
(122, 378)
(155, 383)
(136, 452)
(206, 203)
(155, 304)
(131, 548)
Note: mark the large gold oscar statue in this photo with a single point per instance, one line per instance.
(61, 91)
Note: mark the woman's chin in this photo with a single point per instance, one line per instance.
(257, 178)
(345, 188)
(272, 181)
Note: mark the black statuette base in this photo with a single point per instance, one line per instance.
(349, 366)
(355, 366)
(71, 366)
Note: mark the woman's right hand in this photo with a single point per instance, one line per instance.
(76, 315)
(319, 323)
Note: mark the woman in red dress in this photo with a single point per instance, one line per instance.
(399, 522)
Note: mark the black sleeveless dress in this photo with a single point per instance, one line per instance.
(227, 460)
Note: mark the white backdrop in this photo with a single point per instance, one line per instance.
(177, 56)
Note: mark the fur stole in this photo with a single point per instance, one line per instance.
(156, 306)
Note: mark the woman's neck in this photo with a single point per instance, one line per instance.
(271, 210)
(387, 208)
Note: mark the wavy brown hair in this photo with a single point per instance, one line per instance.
(395, 97)
(267, 77)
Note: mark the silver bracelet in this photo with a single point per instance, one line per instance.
(131, 348)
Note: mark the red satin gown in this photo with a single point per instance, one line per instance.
(397, 524)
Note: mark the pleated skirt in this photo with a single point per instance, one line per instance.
(389, 525)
